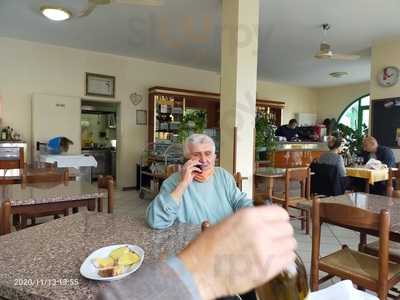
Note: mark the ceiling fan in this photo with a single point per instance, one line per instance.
(325, 51)
(93, 3)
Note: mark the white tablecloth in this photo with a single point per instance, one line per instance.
(343, 290)
(69, 161)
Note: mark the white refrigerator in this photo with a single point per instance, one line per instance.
(55, 115)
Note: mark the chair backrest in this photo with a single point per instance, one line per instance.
(393, 185)
(171, 169)
(14, 161)
(352, 218)
(107, 182)
(301, 175)
(326, 180)
(238, 180)
(43, 175)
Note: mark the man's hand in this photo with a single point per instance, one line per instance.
(241, 253)
(186, 178)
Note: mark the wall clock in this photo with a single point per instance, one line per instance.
(389, 76)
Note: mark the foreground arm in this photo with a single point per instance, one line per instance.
(159, 281)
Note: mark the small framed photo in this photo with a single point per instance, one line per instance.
(100, 85)
(141, 117)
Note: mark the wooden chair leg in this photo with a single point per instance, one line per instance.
(100, 204)
(66, 212)
(33, 221)
(24, 222)
(307, 212)
(5, 226)
(302, 219)
(75, 210)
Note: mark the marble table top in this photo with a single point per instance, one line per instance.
(38, 193)
(42, 262)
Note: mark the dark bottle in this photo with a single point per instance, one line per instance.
(291, 284)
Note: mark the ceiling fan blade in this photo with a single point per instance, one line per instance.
(338, 56)
(139, 2)
(89, 9)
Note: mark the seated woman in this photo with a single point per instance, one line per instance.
(199, 192)
(332, 157)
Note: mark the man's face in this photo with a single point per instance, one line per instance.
(370, 147)
(203, 153)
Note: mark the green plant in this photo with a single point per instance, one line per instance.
(265, 132)
(353, 138)
(192, 122)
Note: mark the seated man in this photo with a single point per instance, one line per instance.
(381, 153)
(199, 192)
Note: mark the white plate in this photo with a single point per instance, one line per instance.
(89, 271)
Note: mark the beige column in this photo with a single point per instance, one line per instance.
(240, 21)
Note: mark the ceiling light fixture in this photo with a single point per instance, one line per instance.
(55, 13)
(338, 74)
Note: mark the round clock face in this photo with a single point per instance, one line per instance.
(389, 76)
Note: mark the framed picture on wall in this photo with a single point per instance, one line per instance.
(141, 117)
(100, 85)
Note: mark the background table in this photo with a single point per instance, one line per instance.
(269, 174)
(56, 250)
(370, 176)
(42, 197)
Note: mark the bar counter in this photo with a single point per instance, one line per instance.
(297, 154)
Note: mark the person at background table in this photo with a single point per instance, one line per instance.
(289, 131)
(382, 153)
(332, 157)
(199, 192)
(262, 237)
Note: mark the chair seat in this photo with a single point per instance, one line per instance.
(394, 248)
(356, 263)
(298, 202)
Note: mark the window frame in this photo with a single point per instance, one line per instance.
(361, 108)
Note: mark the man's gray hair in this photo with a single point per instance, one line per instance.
(195, 139)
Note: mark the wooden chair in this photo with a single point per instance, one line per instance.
(394, 247)
(394, 178)
(301, 175)
(106, 182)
(45, 176)
(366, 271)
(16, 163)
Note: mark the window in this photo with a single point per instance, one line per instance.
(356, 114)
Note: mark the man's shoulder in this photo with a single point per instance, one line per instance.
(173, 179)
(221, 172)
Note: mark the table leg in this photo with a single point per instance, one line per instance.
(367, 186)
(5, 226)
(270, 188)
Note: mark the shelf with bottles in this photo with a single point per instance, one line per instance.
(8, 134)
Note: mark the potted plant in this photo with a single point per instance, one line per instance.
(192, 122)
(266, 141)
(353, 138)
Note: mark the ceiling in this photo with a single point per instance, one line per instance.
(187, 32)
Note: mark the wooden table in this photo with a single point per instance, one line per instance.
(269, 174)
(44, 197)
(42, 262)
(374, 203)
(370, 176)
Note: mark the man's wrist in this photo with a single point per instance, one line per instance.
(204, 288)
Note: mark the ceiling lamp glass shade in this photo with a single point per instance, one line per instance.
(55, 13)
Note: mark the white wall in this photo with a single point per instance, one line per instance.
(333, 100)
(27, 68)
